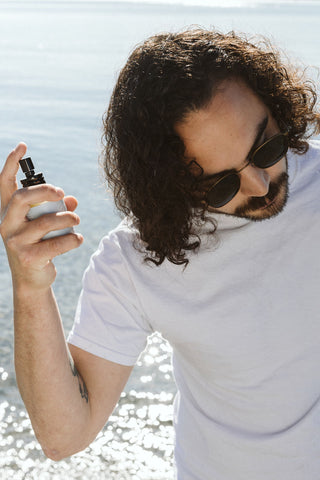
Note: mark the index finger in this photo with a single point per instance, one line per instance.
(8, 180)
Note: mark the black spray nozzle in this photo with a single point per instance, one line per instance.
(27, 166)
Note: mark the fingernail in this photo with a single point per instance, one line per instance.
(19, 145)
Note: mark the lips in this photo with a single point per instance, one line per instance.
(269, 203)
(259, 204)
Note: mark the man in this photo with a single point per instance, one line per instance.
(218, 252)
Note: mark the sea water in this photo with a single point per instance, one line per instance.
(59, 62)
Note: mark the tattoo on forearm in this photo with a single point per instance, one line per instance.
(82, 386)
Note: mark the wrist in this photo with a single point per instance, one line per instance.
(33, 280)
(26, 289)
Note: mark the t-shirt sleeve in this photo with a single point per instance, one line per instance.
(109, 320)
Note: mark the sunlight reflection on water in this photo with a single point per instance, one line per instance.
(136, 443)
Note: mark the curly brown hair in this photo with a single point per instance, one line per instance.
(164, 79)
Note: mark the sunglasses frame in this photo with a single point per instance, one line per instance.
(250, 161)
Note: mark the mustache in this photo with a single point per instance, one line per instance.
(254, 203)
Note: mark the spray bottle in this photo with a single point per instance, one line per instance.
(39, 209)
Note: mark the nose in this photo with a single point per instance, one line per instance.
(254, 181)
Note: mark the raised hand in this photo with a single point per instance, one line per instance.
(30, 257)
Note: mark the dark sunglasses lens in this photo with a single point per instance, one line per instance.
(271, 152)
(223, 191)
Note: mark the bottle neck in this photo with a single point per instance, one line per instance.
(33, 180)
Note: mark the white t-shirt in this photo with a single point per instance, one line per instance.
(243, 320)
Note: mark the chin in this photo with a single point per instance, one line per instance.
(269, 210)
(262, 208)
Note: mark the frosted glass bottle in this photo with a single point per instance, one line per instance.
(39, 209)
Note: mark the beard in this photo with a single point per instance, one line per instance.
(262, 208)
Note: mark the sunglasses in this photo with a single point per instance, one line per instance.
(266, 155)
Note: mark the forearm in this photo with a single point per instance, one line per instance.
(54, 393)
(65, 417)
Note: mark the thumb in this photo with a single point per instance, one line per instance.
(71, 203)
